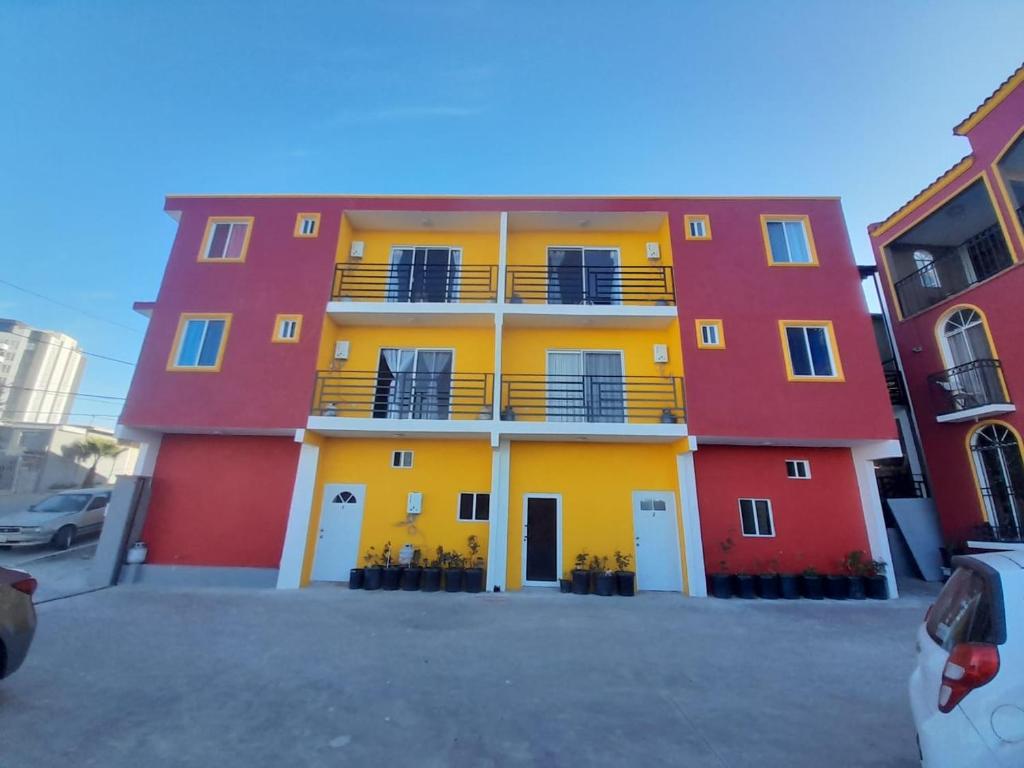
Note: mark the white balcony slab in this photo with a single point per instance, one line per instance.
(589, 316)
(391, 313)
(452, 429)
(981, 412)
(592, 431)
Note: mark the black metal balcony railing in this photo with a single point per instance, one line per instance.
(902, 485)
(402, 283)
(1003, 534)
(968, 386)
(590, 285)
(894, 383)
(370, 395)
(590, 398)
(976, 259)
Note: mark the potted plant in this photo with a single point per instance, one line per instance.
(854, 564)
(580, 575)
(789, 586)
(565, 585)
(721, 581)
(837, 586)
(768, 581)
(508, 413)
(412, 574)
(371, 570)
(877, 583)
(604, 577)
(625, 579)
(392, 574)
(430, 581)
(453, 572)
(813, 589)
(667, 417)
(474, 575)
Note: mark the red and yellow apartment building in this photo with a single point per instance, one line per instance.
(683, 380)
(949, 262)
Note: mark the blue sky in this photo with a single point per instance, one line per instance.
(112, 105)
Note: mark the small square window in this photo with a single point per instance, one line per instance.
(307, 225)
(798, 469)
(401, 459)
(710, 334)
(226, 239)
(698, 227)
(474, 506)
(287, 329)
(756, 517)
(788, 241)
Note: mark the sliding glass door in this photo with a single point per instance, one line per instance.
(583, 276)
(424, 275)
(585, 386)
(413, 384)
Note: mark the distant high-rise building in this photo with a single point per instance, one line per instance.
(39, 374)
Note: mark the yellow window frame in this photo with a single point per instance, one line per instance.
(700, 324)
(690, 218)
(808, 233)
(211, 222)
(837, 362)
(183, 319)
(300, 218)
(277, 338)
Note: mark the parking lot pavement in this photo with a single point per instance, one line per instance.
(326, 677)
(59, 573)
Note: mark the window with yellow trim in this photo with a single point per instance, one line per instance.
(698, 226)
(810, 351)
(226, 239)
(710, 334)
(788, 241)
(199, 342)
(287, 328)
(307, 225)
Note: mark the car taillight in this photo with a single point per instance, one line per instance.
(28, 586)
(969, 666)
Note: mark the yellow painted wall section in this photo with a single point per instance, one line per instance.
(524, 350)
(531, 248)
(441, 470)
(596, 483)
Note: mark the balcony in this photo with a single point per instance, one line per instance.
(438, 293)
(437, 403)
(894, 383)
(582, 405)
(970, 391)
(605, 295)
(959, 245)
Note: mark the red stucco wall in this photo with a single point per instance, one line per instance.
(817, 521)
(220, 501)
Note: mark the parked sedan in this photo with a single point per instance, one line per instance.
(57, 519)
(17, 619)
(967, 690)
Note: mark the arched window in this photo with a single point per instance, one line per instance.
(965, 338)
(345, 497)
(925, 264)
(997, 459)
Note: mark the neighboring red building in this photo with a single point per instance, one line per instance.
(786, 406)
(948, 261)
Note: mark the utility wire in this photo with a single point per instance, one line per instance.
(69, 306)
(67, 346)
(58, 392)
(95, 415)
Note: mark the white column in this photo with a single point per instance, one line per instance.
(874, 520)
(293, 554)
(696, 583)
(497, 532)
(149, 448)
(499, 314)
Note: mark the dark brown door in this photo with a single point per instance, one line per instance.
(542, 539)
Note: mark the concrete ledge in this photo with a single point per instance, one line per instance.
(198, 576)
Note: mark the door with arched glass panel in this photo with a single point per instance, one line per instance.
(1000, 469)
(972, 376)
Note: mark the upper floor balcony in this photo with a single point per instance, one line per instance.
(970, 391)
(957, 246)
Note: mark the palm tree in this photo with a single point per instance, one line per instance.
(94, 448)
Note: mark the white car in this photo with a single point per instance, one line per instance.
(57, 519)
(967, 690)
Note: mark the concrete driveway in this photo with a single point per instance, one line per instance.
(326, 677)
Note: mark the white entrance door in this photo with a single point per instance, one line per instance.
(658, 565)
(341, 520)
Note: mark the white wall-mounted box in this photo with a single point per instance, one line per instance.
(661, 353)
(341, 350)
(415, 503)
(653, 251)
(355, 253)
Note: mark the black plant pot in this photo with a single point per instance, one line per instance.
(857, 588)
(355, 578)
(431, 580)
(813, 588)
(721, 585)
(877, 587)
(565, 586)
(453, 580)
(625, 583)
(580, 582)
(745, 586)
(372, 577)
(411, 579)
(768, 586)
(391, 579)
(474, 580)
(789, 586)
(604, 584)
(837, 587)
